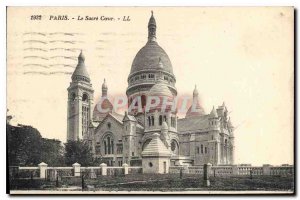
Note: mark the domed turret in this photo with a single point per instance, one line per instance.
(80, 73)
(104, 106)
(196, 108)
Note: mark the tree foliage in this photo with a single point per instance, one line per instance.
(78, 151)
(26, 147)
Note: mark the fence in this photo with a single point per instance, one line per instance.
(52, 173)
(237, 170)
(45, 172)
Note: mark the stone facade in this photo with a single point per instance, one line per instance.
(196, 139)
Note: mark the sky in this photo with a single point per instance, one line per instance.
(240, 56)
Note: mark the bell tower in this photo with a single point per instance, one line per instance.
(80, 102)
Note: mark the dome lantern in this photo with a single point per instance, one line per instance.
(104, 89)
(152, 29)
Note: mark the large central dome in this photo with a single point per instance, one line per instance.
(148, 58)
(150, 65)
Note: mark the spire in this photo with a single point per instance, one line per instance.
(81, 57)
(213, 113)
(152, 29)
(195, 92)
(104, 89)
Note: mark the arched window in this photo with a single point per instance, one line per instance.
(152, 120)
(202, 148)
(151, 76)
(108, 145)
(165, 118)
(149, 120)
(160, 119)
(85, 97)
(225, 142)
(144, 100)
(174, 147)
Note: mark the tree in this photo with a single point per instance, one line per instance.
(26, 147)
(78, 151)
(24, 144)
(52, 152)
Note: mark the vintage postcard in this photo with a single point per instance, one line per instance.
(147, 100)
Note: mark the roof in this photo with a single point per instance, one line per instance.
(156, 147)
(117, 116)
(213, 113)
(192, 123)
(129, 117)
(149, 57)
(80, 71)
(199, 111)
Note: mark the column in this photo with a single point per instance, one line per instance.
(43, 169)
(76, 169)
(125, 167)
(103, 169)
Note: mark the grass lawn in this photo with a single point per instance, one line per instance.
(172, 182)
(162, 182)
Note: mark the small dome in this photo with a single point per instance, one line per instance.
(100, 113)
(213, 113)
(164, 126)
(198, 112)
(160, 89)
(195, 109)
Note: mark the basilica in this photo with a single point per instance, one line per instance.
(153, 138)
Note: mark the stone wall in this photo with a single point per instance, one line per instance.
(237, 170)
